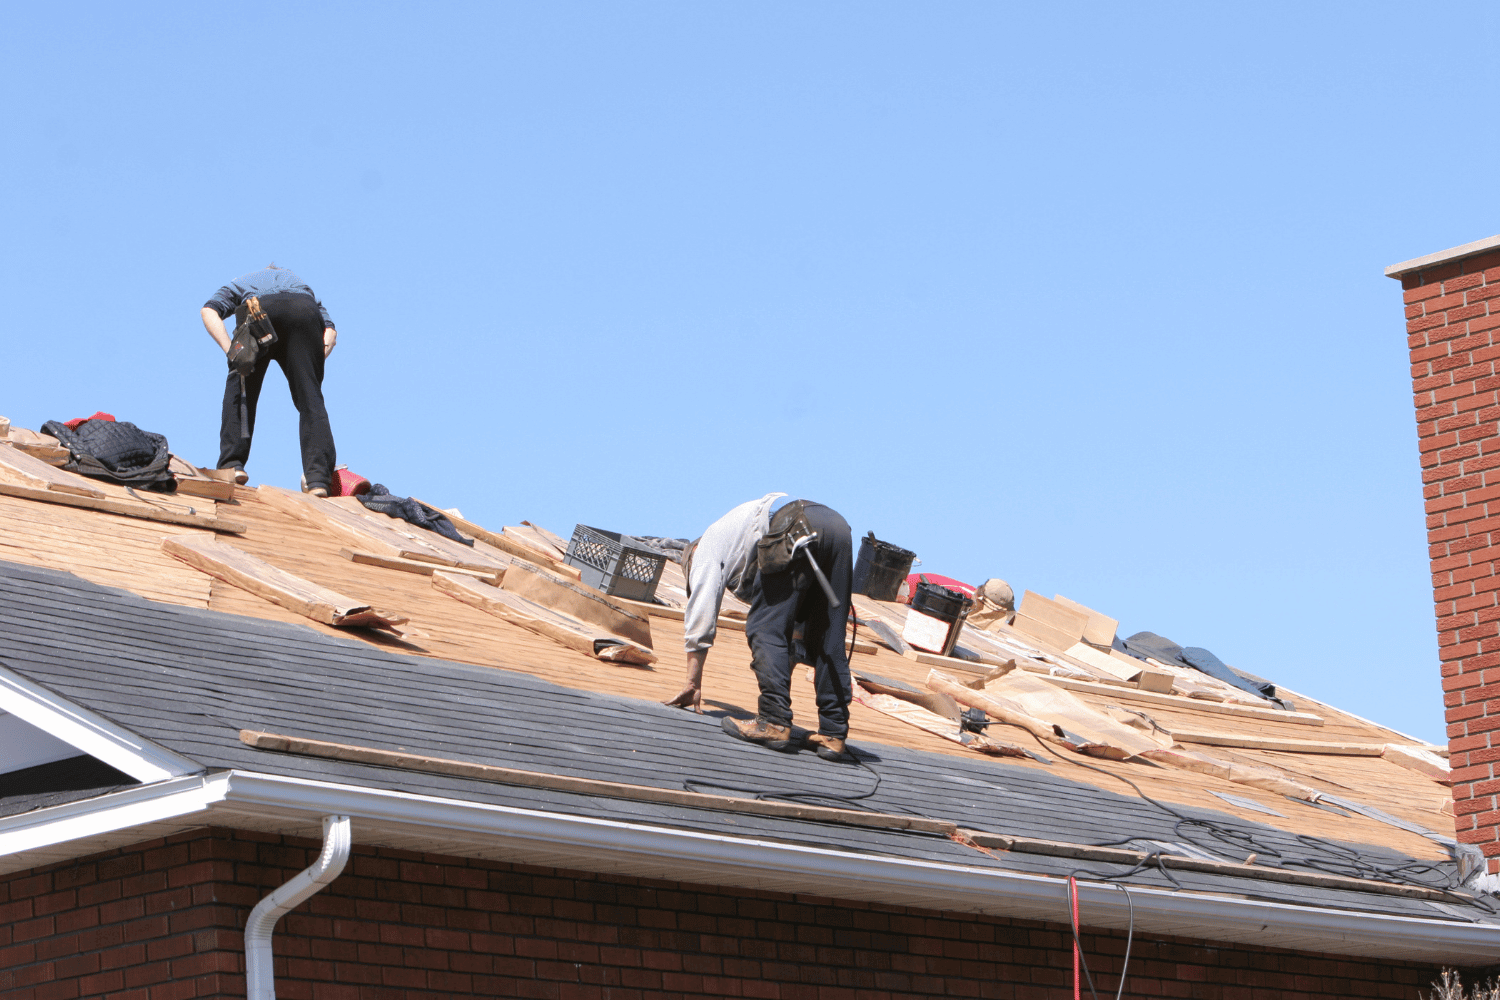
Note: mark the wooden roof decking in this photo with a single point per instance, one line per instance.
(119, 551)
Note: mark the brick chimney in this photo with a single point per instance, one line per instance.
(1453, 330)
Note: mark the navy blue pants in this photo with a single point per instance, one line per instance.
(779, 602)
(299, 352)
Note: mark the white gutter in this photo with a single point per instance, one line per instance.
(260, 975)
(248, 800)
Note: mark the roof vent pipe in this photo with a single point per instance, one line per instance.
(260, 975)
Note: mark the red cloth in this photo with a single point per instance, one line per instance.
(72, 425)
(941, 581)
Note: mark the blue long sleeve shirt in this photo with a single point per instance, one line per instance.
(266, 281)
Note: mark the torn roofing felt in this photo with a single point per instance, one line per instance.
(189, 680)
(1157, 647)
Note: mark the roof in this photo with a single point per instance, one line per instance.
(153, 669)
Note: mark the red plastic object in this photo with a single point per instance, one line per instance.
(349, 484)
(940, 580)
(72, 425)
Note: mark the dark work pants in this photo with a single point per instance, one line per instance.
(779, 602)
(299, 352)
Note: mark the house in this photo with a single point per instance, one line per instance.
(247, 699)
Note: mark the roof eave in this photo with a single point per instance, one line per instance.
(293, 806)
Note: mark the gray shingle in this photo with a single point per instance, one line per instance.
(190, 680)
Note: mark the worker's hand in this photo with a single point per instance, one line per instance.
(689, 697)
(330, 337)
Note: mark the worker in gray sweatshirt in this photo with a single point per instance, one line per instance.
(725, 558)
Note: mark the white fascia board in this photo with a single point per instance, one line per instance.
(90, 733)
(125, 811)
(387, 818)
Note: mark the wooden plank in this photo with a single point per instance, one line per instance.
(1271, 743)
(31, 471)
(653, 610)
(1420, 759)
(527, 534)
(1053, 639)
(551, 538)
(144, 511)
(41, 446)
(1041, 611)
(1188, 704)
(1103, 662)
(192, 482)
(576, 601)
(447, 551)
(542, 620)
(225, 562)
(677, 614)
(588, 786)
(420, 568)
(505, 543)
(1099, 629)
(370, 535)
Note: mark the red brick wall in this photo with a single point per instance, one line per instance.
(1452, 333)
(163, 921)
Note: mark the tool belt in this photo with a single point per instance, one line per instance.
(773, 553)
(253, 336)
(253, 339)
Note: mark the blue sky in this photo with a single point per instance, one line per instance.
(1085, 296)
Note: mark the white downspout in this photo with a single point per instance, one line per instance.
(260, 976)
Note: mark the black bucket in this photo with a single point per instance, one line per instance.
(941, 602)
(881, 568)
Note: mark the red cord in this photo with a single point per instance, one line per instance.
(1073, 894)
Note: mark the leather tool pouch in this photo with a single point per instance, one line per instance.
(773, 553)
(253, 336)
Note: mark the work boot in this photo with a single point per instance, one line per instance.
(767, 734)
(827, 747)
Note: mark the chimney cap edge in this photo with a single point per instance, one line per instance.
(1442, 257)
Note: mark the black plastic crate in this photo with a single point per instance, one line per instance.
(617, 564)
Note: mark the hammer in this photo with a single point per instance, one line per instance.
(800, 545)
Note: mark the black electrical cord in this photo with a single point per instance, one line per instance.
(804, 797)
(1352, 864)
(1224, 834)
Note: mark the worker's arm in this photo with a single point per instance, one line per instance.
(215, 327)
(691, 696)
(701, 616)
(330, 338)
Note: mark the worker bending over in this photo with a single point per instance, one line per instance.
(305, 335)
(771, 552)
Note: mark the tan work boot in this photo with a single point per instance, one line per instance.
(827, 747)
(767, 734)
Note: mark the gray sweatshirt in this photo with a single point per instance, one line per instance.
(724, 553)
